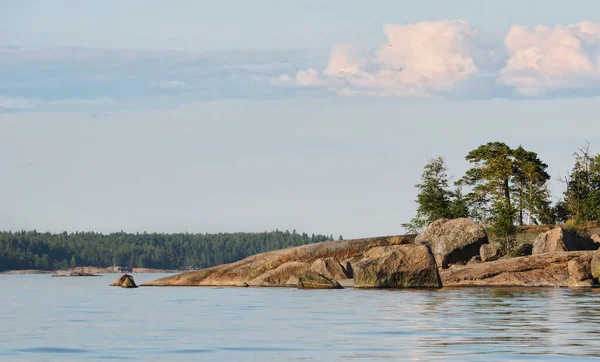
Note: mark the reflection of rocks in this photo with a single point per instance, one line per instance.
(453, 241)
(557, 240)
(400, 266)
(543, 270)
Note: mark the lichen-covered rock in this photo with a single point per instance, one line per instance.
(491, 251)
(580, 274)
(124, 281)
(557, 240)
(400, 266)
(329, 268)
(453, 240)
(314, 280)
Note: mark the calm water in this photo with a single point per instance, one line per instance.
(82, 319)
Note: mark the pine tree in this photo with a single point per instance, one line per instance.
(435, 200)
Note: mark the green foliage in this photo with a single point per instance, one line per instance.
(582, 196)
(507, 185)
(33, 250)
(435, 200)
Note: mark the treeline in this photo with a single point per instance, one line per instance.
(506, 188)
(45, 251)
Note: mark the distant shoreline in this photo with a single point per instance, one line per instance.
(92, 270)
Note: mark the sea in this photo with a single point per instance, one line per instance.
(83, 319)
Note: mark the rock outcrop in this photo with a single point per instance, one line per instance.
(329, 268)
(595, 265)
(596, 238)
(314, 280)
(402, 266)
(490, 252)
(557, 240)
(277, 268)
(124, 281)
(453, 240)
(73, 273)
(543, 270)
(580, 275)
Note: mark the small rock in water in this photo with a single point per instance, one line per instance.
(124, 281)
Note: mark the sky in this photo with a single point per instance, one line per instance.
(255, 116)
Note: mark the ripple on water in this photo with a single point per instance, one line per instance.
(56, 350)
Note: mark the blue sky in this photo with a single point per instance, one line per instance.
(251, 116)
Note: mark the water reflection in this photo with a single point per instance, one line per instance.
(258, 324)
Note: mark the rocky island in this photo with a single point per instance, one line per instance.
(448, 253)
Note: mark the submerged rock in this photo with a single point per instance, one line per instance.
(453, 240)
(491, 251)
(124, 281)
(314, 280)
(401, 266)
(557, 240)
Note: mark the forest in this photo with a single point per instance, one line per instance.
(506, 188)
(46, 251)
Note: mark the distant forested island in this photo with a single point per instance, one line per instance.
(46, 251)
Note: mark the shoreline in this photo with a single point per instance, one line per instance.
(92, 270)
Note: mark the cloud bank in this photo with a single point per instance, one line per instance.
(75, 78)
(454, 59)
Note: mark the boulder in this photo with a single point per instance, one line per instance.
(314, 280)
(491, 251)
(124, 281)
(453, 240)
(542, 270)
(596, 238)
(595, 265)
(329, 268)
(280, 275)
(580, 275)
(400, 266)
(557, 240)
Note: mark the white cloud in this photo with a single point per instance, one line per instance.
(451, 58)
(543, 59)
